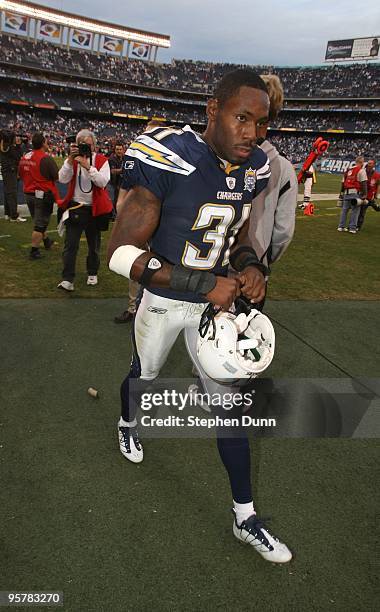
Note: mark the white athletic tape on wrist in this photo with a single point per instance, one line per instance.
(123, 259)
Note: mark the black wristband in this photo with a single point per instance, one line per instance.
(250, 259)
(152, 266)
(195, 281)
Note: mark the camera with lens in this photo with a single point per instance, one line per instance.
(84, 149)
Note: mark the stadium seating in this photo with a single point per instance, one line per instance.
(116, 97)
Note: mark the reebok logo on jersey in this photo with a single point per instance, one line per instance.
(154, 264)
(157, 310)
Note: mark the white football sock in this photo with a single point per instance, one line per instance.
(123, 423)
(243, 511)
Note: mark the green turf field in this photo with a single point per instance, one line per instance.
(320, 262)
(78, 518)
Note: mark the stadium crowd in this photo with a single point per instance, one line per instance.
(360, 80)
(76, 103)
(95, 101)
(58, 126)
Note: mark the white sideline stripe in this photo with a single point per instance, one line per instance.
(48, 232)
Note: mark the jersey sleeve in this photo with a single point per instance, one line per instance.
(137, 173)
(151, 164)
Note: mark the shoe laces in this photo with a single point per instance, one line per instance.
(255, 526)
(135, 437)
(125, 433)
(128, 432)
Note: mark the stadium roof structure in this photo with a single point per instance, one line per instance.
(36, 11)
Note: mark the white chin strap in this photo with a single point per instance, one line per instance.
(247, 343)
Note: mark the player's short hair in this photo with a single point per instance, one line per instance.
(230, 84)
(359, 159)
(38, 140)
(276, 94)
(118, 143)
(155, 123)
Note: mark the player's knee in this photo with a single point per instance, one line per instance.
(40, 228)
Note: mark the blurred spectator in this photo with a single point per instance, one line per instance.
(115, 161)
(272, 218)
(373, 191)
(309, 179)
(354, 188)
(10, 155)
(39, 173)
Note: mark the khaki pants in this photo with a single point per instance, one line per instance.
(133, 290)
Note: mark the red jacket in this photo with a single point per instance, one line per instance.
(351, 178)
(101, 202)
(373, 181)
(30, 174)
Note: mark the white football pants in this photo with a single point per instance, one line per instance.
(307, 189)
(157, 325)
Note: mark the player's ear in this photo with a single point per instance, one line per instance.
(212, 108)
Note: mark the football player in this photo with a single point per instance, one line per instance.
(189, 197)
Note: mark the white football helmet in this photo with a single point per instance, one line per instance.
(236, 347)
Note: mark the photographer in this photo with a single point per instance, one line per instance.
(10, 155)
(87, 205)
(38, 172)
(354, 192)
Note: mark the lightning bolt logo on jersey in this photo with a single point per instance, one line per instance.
(205, 200)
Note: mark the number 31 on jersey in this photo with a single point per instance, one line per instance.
(216, 237)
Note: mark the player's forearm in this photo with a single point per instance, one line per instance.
(151, 270)
(242, 253)
(161, 277)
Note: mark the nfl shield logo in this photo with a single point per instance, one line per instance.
(250, 179)
(231, 182)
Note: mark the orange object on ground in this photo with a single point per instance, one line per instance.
(309, 209)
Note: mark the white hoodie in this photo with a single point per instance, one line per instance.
(272, 218)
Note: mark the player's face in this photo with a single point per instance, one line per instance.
(119, 150)
(233, 126)
(370, 165)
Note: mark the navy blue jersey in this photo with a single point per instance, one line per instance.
(205, 200)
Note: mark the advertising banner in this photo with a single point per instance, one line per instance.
(111, 45)
(50, 31)
(366, 47)
(15, 24)
(353, 48)
(336, 166)
(80, 39)
(139, 51)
